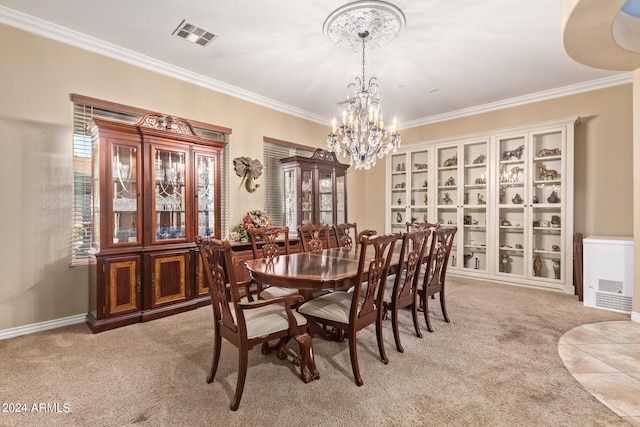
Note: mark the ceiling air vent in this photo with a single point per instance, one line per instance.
(194, 34)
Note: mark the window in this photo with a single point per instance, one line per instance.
(84, 110)
(273, 151)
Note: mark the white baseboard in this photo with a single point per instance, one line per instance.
(635, 317)
(42, 326)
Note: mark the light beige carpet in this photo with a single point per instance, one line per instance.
(496, 364)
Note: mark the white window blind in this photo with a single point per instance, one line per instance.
(82, 218)
(273, 198)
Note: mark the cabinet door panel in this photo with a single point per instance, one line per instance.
(168, 278)
(122, 285)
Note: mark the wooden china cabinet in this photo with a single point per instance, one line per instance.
(155, 187)
(315, 190)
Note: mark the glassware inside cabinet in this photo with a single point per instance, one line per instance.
(511, 240)
(290, 200)
(325, 198)
(307, 202)
(340, 199)
(125, 193)
(205, 185)
(169, 195)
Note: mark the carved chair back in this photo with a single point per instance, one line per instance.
(344, 235)
(264, 242)
(377, 251)
(314, 238)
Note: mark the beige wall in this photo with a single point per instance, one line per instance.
(37, 75)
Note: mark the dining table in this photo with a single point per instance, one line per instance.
(308, 272)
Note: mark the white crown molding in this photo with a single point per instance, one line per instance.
(618, 79)
(64, 35)
(42, 326)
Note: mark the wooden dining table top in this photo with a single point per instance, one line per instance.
(334, 268)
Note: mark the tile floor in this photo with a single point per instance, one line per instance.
(605, 358)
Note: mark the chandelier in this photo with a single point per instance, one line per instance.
(361, 136)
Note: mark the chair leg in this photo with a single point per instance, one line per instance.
(425, 311)
(353, 352)
(242, 375)
(444, 306)
(383, 355)
(394, 325)
(414, 315)
(217, 342)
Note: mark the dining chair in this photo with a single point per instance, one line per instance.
(352, 311)
(247, 324)
(344, 235)
(414, 226)
(265, 244)
(314, 238)
(435, 271)
(401, 290)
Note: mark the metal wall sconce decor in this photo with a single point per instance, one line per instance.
(249, 170)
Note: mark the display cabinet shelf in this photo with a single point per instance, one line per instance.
(510, 181)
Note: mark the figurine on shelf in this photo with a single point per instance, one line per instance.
(556, 267)
(549, 152)
(399, 201)
(479, 160)
(446, 200)
(545, 174)
(426, 198)
(425, 184)
(466, 258)
(481, 201)
(555, 221)
(510, 154)
(555, 248)
(505, 223)
(398, 217)
(553, 198)
(503, 195)
(452, 161)
(420, 166)
(517, 199)
(537, 266)
(505, 263)
(481, 180)
(450, 182)
(534, 199)
(425, 218)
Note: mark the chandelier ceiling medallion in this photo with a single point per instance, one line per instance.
(361, 136)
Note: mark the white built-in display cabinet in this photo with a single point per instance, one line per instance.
(509, 192)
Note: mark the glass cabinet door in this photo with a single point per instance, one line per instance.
(547, 197)
(341, 199)
(419, 186)
(206, 200)
(512, 212)
(447, 196)
(474, 206)
(306, 190)
(399, 216)
(124, 180)
(169, 195)
(325, 198)
(290, 199)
